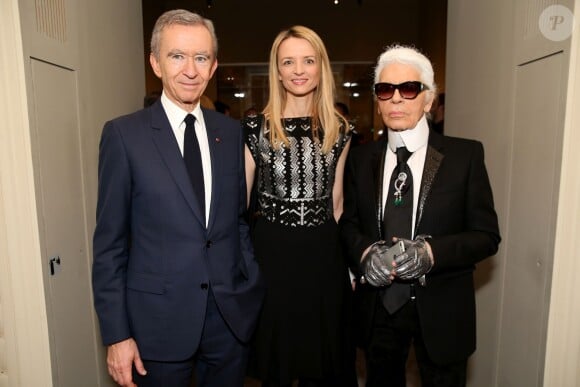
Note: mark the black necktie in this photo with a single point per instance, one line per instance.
(192, 158)
(397, 222)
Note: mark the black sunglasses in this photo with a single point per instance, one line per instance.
(408, 90)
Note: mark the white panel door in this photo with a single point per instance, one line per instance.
(58, 172)
(533, 201)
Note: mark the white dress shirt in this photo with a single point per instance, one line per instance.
(176, 117)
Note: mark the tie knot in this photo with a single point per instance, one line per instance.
(189, 120)
(403, 154)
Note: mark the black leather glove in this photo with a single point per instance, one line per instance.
(376, 265)
(416, 261)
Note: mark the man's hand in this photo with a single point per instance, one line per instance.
(417, 259)
(120, 359)
(376, 265)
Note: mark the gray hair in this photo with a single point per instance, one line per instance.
(410, 56)
(181, 17)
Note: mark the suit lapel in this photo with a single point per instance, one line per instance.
(168, 148)
(433, 159)
(378, 164)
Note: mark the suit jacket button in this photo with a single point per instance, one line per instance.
(208, 244)
(204, 286)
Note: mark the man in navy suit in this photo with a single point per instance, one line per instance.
(176, 286)
(438, 202)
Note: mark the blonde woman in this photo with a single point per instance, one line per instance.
(295, 157)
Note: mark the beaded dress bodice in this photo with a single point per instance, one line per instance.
(295, 181)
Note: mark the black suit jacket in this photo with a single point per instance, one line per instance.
(456, 208)
(154, 257)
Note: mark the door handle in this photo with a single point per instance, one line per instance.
(54, 264)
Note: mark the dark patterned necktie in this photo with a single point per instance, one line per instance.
(192, 158)
(397, 222)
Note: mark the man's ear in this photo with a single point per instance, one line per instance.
(428, 105)
(214, 67)
(155, 65)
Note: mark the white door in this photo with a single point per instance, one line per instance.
(62, 219)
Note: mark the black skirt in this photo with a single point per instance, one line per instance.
(302, 331)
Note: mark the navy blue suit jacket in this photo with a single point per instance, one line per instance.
(456, 208)
(153, 254)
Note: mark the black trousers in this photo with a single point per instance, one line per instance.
(387, 353)
(219, 361)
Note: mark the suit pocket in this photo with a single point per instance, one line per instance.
(443, 201)
(145, 282)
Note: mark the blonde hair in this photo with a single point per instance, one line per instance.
(323, 112)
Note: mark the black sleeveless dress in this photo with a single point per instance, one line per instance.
(301, 330)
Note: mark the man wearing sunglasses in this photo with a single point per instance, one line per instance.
(437, 204)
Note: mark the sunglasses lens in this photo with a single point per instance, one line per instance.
(410, 90)
(384, 91)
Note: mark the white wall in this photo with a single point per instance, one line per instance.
(562, 356)
(104, 47)
(506, 86)
(23, 312)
